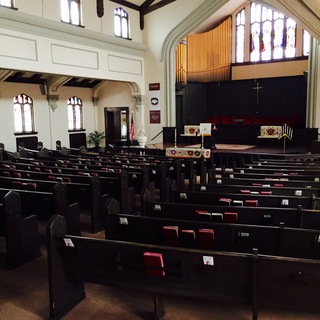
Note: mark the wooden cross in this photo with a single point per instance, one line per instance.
(257, 88)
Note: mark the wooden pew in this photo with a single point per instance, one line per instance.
(230, 237)
(282, 172)
(88, 195)
(43, 204)
(271, 176)
(21, 233)
(259, 280)
(267, 216)
(260, 182)
(115, 184)
(257, 189)
(175, 167)
(138, 178)
(216, 198)
(140, 172)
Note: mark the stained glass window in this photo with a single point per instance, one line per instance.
(240, 25)
(23, 114)
(74, 113)
(272, 35)
(71, 11)
(121, 23)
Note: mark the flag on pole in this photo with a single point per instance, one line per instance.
(132, 133)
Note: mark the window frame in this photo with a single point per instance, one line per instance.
(247, 52)
(72, 108)
(25, 101)
(7, 6)
(121, 19)
(67, 16)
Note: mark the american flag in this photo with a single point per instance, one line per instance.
(132, 134)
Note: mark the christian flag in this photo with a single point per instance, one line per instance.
(132, 134)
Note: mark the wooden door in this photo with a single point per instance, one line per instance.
(117, 126)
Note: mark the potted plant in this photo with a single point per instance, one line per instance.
(95, 138)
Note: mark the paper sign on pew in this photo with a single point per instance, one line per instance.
(208, 261)
(68, 242)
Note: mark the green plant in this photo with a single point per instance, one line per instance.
(95, 137)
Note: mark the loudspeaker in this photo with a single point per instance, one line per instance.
(43, 89)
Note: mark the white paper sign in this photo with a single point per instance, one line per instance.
(208, 261)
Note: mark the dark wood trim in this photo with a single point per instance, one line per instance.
(33, 133)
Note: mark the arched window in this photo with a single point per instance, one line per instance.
(121, 23)
(270, 36)
(71, 11)
(23, 114)
(75, 113)
(6, 3)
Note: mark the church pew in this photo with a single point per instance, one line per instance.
(216, 198)
(199, 166)
(87, 195)
(245, 215)
(286, 165)
(21, 233)
(43, 204)
(266, 176)
(243, 238)
(115, 184)
(136, 177)
(233, 277)
(278, 172)
(254, 189)
(260, 182)
(268, 216)
(150, 168)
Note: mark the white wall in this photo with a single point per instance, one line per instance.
(158, 25)
(269, 70)
(51, 126)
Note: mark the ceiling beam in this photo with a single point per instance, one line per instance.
(158, 5)
(127, 4)
(147, 7)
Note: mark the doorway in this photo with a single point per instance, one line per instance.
(117, 126)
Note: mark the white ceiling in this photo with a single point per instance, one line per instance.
(314, 6)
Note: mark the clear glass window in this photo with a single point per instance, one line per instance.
(75, 113)
(6, 3)
(71, 11)
(23, 114)
(121, 23)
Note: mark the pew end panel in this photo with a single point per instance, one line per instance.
(22, 234)
(63, 294)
